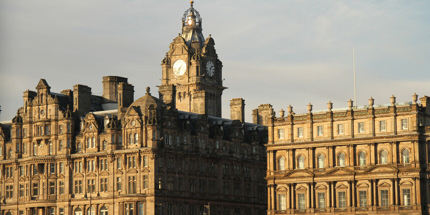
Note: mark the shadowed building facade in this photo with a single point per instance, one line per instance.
(74, 153)
(368, 160)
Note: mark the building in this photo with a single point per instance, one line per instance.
(356, 160)
(74, 153)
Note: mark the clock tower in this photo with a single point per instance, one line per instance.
(192, 72)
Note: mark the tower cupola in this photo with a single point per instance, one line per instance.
(192, 27)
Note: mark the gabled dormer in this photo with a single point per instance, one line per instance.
(43, 90)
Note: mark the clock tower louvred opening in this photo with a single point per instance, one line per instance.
(191, 70)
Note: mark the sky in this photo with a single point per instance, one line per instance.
(282, 52)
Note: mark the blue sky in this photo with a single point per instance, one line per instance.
(279, 52)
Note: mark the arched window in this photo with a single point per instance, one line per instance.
(8, 213)
(136, 138)
(405, 156)
(104, 210)
(362, 159)
(104, 145)
(91, 211)
(89, 143)
(384, 156)
(93, 142)
(130, 138)
(78, 211)
(341, 159)
(281, 163)
(321, 161)
(79, 147)
(301, 162)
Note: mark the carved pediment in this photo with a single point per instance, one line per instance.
(281, 188)
(339, 171)
(299, 173)
(21, 179)
(9, 180)
(118, 171)
(132, 171)
(321, 187)
(363, 185)
(384, 184)
(104, 173)
(301, 188)
(61, 176)
(78, 175)
(91, 175)
(385, 168)
(406, 183)
(341, 186)
(52, 177)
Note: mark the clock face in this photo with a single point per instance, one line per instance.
(179, 67)
(210, 68)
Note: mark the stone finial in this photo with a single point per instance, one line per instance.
(371, 102)
(392, 99)
(148, 89)
(281, 113)
(329, 105)
(350, 103)
(290, 109)
(415, 98)
(309, 107)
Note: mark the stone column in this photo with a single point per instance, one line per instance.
(353, 195)
(396, 192)
(418, 190)
(374, 193)
(312, 196)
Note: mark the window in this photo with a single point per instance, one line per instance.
(60, 145)
(60, 129)
(104, 210)
(170, 184)
(362, 158)
(341, 159)
(9, 191)
(93, 142)
(21, 190)
(103, 165)
(145, 181)
(35, 189)
(361, 127)
(406, 197)
(129, 208)
(61, 187)
(90, 165)
(78, 186)
(405, 156)
(34, 149)
(281, 163)
(118, 184)
(280, 133)
(78, 211)
(69, 141)
(52, 188)
(301, 201)
(52, 168)
(21, 171)
(181, 184)
(160, 182)
(404, 124)
(51, 211)
(78, 147)
(132, 162)
(69, 128)
(321, 161)
(320, 130)
(136, 138)
(226, 187)
(47, 129)
(384, 156)
(384, 198)
(91, 185)
(104, 147)
(24, 132)
(145, 161)
(342, 200)
(118, 163)
(281, 202)
(382, 126)
(131, 139)
(300, 131)
(131, 184)
(321, 200)
(301, 162)
(24, 148)
(88, 143)
(119, 140)
(103, 184)
(113, 138)
(78, 166)
(340, 129)
(362, 198)
(91, 211)
(61, 210)
(61, 167)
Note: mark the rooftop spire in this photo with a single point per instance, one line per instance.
(192, 26)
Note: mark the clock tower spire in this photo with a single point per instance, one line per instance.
(191, 70)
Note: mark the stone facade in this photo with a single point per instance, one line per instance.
(365, 160)
(72, 153)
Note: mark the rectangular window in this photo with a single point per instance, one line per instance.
(60, 145)
(61, 211)
(52, 168)
(60, 129)
(61, 187)
(24, 132)
(103, 185)
(21, 171)
(145, 161)
(52, 188)
(320, 130)
(361, 127)
(340, 129)
(129, 208)
(69, 128)
(404, 124)
(301, 201)
(140, 208)
(68, 142)
(91, 185)
(384, 197)
(281, 202)
(145, 181)
(300, 131)
(61, 167)
(342, 199)
(281, 134)
(181, 186)
(78, 186)
(24, 148)
(131, 184)
(321, 200)
(21, 190)
(118, 163)
(363, 198)
(35, 189)
(119, 140)
(406, 197)
(9, 191)
(118, 184)
(382, 125)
